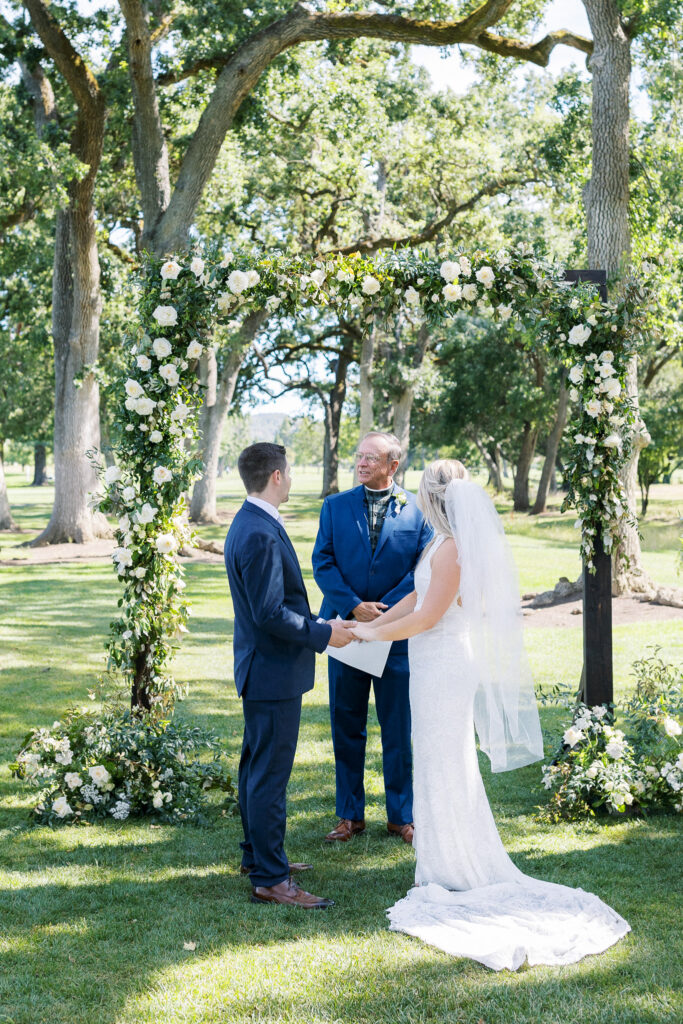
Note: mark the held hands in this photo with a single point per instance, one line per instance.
(341, 632)
(366, 611)
(362, 631)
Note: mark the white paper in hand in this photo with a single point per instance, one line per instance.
(369, 657)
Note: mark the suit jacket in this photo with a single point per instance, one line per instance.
(344, 566)
(275, 636)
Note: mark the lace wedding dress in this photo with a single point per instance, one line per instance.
(469, 898)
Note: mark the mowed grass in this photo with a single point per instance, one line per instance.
(94, 921)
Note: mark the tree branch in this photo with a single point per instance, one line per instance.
(242, 69)
(71, 65)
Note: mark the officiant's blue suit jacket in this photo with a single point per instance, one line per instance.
(344, 566)
(275, 635)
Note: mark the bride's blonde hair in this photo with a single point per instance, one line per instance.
(431, 492)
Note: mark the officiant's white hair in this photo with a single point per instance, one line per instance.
(431, 493)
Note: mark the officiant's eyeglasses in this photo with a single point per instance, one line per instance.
(372, 459)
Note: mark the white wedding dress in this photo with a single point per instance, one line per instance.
(469, 899)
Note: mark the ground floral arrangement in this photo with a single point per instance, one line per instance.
(118, 764)
(602, 768)
(159, 396)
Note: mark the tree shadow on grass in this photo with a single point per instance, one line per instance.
(100, 943)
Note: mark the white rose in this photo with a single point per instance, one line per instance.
(370, 285)
(604, 369)
(449, 270)
(162, 475)
(573, 395)
(237, 282)
(226, 261)
(272, 302)
(170, 270)
(169, 374)
(144, 362)
(593, 770)
(158, 800)
(615, 749)
(128, 494)
(611, 387)
(197, 266)
(576, 374)
(627, 797)
(317, 277)
(253, 278)
(486, 276)
(166, 543)
(412, 296)
(572, 736)
(134, 389)
(194, 350)
(61, 807)
(505, 312)
(147, 513)
(156, 436)
(452, 292)
(162, 348)
(465, 266)
(469, 292)
(73, 780)
(145, 406)
(112, 474)
(124, 523)
(344, 275)
(99, 774)
(181, 412)
(612, 441)
(166, 316)
(579, 334)
(607, 356)
(64, 756)
(594, 407)
(123, 556)
(224, 301)
(671, 727)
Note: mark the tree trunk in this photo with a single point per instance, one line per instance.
(520, 491)
(6, 520)
(333, 412)
(607, 205)
(39, 463)
(76, 306)
(551, 451)
(493, 463)
(212, 418)
(403, 408)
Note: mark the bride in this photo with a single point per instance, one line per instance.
(468, 670)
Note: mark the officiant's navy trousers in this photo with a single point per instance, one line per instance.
(271, 730)
(349, 697)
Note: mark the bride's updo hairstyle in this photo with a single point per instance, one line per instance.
(431, 493)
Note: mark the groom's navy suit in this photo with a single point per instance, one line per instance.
(348, 573)
(274, 643)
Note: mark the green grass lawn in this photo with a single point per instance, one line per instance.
(94, 920)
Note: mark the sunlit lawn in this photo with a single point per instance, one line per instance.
(94, 920)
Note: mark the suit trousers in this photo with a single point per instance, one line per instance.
(349, 698)
(271, 730)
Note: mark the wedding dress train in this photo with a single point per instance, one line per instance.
(469, 898)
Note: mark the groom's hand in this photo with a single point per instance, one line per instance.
(366, 611)
(341, 633)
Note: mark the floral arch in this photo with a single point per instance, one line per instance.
(183, 298)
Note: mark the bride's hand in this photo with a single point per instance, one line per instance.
(362, 631)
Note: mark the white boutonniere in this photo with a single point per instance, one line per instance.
(400, 501)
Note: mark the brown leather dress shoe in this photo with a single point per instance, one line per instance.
(406, 831)
(288, 893)
(294, 869)
(344, 830)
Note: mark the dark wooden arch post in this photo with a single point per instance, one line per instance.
(597, 679)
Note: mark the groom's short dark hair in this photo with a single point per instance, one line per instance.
(257, 463)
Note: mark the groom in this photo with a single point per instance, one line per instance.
(274, 645)
(368, 544)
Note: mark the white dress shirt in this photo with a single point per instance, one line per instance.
(267, 507)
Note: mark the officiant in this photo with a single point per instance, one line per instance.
(369, 541)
